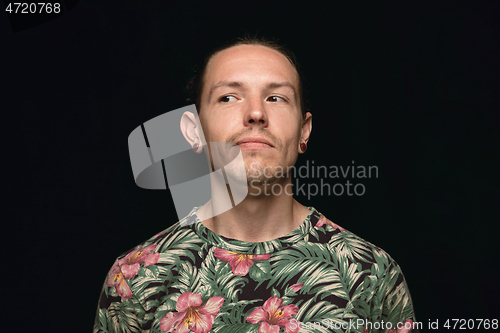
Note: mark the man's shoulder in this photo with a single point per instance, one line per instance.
(348, 246)
(165, 239)
(150, 262)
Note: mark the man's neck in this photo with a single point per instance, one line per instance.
(257, 218)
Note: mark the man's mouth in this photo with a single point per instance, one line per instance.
(254, 142)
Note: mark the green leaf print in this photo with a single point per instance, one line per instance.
(187, 278)
(347, 245)
(302, 260)
(260, 271)
(178, 237)
(218, 275)
(122, 318)
(235, 312)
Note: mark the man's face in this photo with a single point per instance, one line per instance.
(250, 95)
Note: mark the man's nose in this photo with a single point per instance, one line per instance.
(255, 112)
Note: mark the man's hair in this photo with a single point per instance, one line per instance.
(194, 88)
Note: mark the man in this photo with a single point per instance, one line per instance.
(268, 264)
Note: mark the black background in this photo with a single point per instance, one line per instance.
(412, 88)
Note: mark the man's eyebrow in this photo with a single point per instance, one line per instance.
(274, 85)
(236, 84)
(233, 84)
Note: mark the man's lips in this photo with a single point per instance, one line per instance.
(254, 143)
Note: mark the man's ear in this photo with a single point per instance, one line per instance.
(306, 130)
(191, 129)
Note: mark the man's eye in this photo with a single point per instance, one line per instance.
(227, 99)
(275, 99)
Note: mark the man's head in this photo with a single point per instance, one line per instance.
(251, 95)
(196, 84)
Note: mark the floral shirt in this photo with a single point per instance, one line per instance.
(318, 278)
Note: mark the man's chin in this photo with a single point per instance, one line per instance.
(260, 181)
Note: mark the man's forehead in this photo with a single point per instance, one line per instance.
(253, 60)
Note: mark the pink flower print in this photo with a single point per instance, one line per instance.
(131, 263)
(296, 287)
(273, 315)
(240, 263)
(323, 220)
(116, 279)
(191, 315)
(406, 327)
